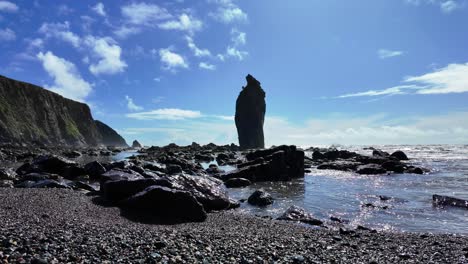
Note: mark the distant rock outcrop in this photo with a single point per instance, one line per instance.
(30, 114)
(250, 115)
(136, 144)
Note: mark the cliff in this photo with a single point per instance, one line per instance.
(33, 115)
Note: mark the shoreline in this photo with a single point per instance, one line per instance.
(59, 225)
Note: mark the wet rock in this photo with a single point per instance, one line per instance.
(48, 163)
(341, 165)
(49, 184)
(440, 200)
(399, 155)
(6, 184)
(123, 164)
(250, 115)
(165, 203)
(115, 175)
(415, 170)
(71, 154)
(95, 169)
(136, 144)
(121, 189)
(380, 153)
(275, 164)
(260, 198)
(203, 157)
(173, 169)
(7, 174)
(209, 191)
(370, 169)
(295, 213)
(317, 155)
(394, 166)
(237, 183)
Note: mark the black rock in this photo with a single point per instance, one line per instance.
(173, 169)
(165, 203)
(380, 153)
(341, 165)
(7, 174)
(95, 169)
(415, 170)
(122, 189)
(399, 155)
(72, 154)
(260, 198)
(136, 144)
(250, 115)
(440, 200)
(295, 213)
(237, 183)
(394, 166)
(370, 169)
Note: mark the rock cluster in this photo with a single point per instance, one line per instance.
(275, 164)
(379, 163)
(250, 115)
(136, 144)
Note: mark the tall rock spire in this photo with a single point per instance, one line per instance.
(250, 114)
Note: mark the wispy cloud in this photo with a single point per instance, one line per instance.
(131, 105)
(385, 53)
(171, 61)
(207, 66)
(144, 14)
(450, 79)
(60, 31)
(228, 12)
(108, 53)
(183, 23)
(7, 6)
(197, 52)
(7, 34)
(166, 114)
(446, 6)
(67, 80)
(99, 9)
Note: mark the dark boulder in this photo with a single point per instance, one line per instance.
(440, 200)
(380, 153)
(136, 144)
(209, 191)
(50, 184)
(317, 155)
(121, 189)
(399, 155)
(237, 183)
(295, 213)
(260, 198)
(94, 169)
(250, 115)
(173, 169)
(415, 170)
(7, 174)
(165, 203)
(71, 154)
(370, 169)
(52, 164)
(394, 166)
(341, 165)
(117, 175)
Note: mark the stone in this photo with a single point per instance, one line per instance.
(173, 169)
(295, 213)
(440, 200)
(237, 183)
(165, 203)
(380, 153)
(136, 144)
(7, 174)
(260, 198)
(341, 165)
(122, 189)
(399, 155)
(369, 169)
(250, 115)
(71, 154)
(394, 166)
(94, 169)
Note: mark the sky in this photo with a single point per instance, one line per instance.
(335, 72)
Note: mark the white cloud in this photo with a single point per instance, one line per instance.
(197, 51)
(385, 53)
(8, 6)
(64, 10)
(60, 31)
(166, 114)
(235, 53)
(67, 80)
(99, 9)
(171, 60)
(207, 66)
(228, 12)
(108, 53)
(7, 34)
(144, 14)
(238, 38)
(450, 79)
(184, 23)
(125, 31)
(131, 105)
(449, 6)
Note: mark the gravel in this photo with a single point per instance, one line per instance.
(57, 226)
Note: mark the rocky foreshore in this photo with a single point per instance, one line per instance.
(162, 204)
(60, 226)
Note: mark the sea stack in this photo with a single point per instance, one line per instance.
(250, 115)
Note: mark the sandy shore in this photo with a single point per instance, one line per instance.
(57, 226)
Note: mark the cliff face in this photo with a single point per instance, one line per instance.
(250, 115)
(31, 114)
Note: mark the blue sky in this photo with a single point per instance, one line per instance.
(335, 72)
